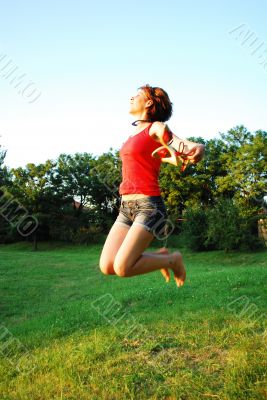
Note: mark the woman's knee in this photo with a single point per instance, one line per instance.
(121, 268)
(106, 267)
(117, 267)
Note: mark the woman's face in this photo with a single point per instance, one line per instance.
(138, 103)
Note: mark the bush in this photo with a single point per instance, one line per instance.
(8, 232)
(75, 230)
(228, 229)
(194, 229)
(222, 227)
(87, 235)
(251, 239)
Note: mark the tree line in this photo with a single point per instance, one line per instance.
(75, 198)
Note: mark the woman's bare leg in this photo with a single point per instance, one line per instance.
(112, 244)
(165, 272)
(130, 259)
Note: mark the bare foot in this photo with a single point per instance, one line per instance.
(178, 268)
(165, 272)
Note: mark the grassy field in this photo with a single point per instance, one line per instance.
(70, 332)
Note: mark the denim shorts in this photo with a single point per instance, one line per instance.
(150, 212)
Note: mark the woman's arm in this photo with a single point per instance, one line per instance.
(162, 133)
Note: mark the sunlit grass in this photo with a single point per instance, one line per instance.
(85, 335)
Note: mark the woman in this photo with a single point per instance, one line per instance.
(142, 213)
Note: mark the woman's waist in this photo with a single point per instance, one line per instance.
(141, 199)
(134, 196)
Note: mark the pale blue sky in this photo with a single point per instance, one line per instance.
(87, 58)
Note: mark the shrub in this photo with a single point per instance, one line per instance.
(194, 229)
(222, 227)
(228, 229)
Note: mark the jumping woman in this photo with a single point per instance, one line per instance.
(142, 215)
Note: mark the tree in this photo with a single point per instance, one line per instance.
(4, 172)
(196, 186)
(246, 161)
(6, 229)
(94, 182)
(106, 178)
(32, 190)
(72, 177)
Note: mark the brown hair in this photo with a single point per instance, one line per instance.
(161, 109)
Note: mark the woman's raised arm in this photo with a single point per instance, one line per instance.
(194, 152)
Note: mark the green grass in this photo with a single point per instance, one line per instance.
(78, 334)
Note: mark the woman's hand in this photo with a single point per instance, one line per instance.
(178, 149)
(196, 153)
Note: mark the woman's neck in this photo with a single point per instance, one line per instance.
(139, 121)
(140, 126)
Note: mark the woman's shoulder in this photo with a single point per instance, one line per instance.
(157, 129)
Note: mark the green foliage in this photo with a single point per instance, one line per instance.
(5, 175)
(228, 229)
(234, 167)
(8, 233)
(195, 226)
(71, 177)
(246, 161)
(11, 215)
(223, 227)
(76, 228)
(2, 156)
(68, 232)
(106, 178)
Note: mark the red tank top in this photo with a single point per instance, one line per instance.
(140, 171)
